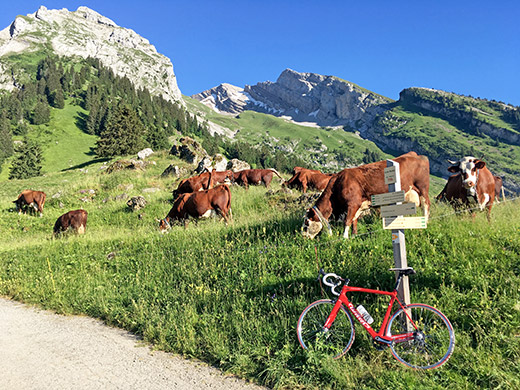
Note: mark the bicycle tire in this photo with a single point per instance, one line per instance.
(334, 342)
(432, 342)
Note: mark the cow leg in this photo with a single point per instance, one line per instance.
(349, 219)
(347, 228)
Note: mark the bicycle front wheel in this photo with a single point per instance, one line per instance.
(334, 342)
(425, 342)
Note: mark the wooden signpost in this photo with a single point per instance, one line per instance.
(393, 210)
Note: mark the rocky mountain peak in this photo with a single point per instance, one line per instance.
(307, 98)
(85, 33)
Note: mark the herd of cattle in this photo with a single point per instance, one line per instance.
(345, 195)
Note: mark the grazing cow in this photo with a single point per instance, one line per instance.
(299, 169)
(75, 220)
(476, 181)
(306, 178)
(35, 199)
(200, 204)
(350, 192)
(255, 177)
(202, 182)
(453, 192)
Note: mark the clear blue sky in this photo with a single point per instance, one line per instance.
(466, 47)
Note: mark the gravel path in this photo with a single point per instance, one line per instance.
(42, 350)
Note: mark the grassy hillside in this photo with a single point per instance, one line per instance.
(231, 295)
(320, 146)
(63, 144)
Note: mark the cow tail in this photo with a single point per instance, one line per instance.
(277, 174)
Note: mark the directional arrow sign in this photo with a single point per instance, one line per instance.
(404, 223)
(388, 198)
(398, 209)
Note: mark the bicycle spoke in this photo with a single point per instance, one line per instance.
(433, 339)
(334, 341)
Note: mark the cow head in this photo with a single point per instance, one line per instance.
(164, 224)
(230, 176)
(311, 224)
(468, 168)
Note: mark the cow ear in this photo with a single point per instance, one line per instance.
(453, 168)
(479, 164)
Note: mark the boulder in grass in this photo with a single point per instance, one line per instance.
(136, 203)
(237, 165)
(144, 153)
(188, 150)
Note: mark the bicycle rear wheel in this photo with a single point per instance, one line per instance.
(335, 341)
(426, 343)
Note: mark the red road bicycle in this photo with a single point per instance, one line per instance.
(418, 335)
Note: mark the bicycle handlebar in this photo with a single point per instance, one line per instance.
(334, 282)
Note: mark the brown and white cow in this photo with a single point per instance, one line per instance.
(455, 193)
(75, 220)
(255, 177)
(202, 182)
(476, 181)
(34, 199)
(200, 204)
(351, 189)
(306, 178)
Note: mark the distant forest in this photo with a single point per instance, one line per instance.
(124, 118)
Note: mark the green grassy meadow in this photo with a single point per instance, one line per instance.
(231, 295)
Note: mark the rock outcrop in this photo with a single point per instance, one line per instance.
(303, 97)
(85, 33)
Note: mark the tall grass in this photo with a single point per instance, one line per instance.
(231, 295)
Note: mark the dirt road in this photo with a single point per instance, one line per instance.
(42, 350)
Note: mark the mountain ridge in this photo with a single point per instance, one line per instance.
(86, 33)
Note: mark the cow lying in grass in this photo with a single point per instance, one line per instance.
(201, 204)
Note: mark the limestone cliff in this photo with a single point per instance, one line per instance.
(85, 33)
(303, 97)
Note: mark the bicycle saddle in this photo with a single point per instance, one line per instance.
(404, 271)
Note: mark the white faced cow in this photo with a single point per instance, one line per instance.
(477, 181)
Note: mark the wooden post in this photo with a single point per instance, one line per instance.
(398, 241)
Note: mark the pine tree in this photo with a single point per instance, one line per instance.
(41, 114)
(123, 134)
(6, 141)
(28, 162)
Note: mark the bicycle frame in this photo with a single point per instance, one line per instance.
(378, 336)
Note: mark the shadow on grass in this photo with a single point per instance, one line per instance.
(81, 122)
(86, 164)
